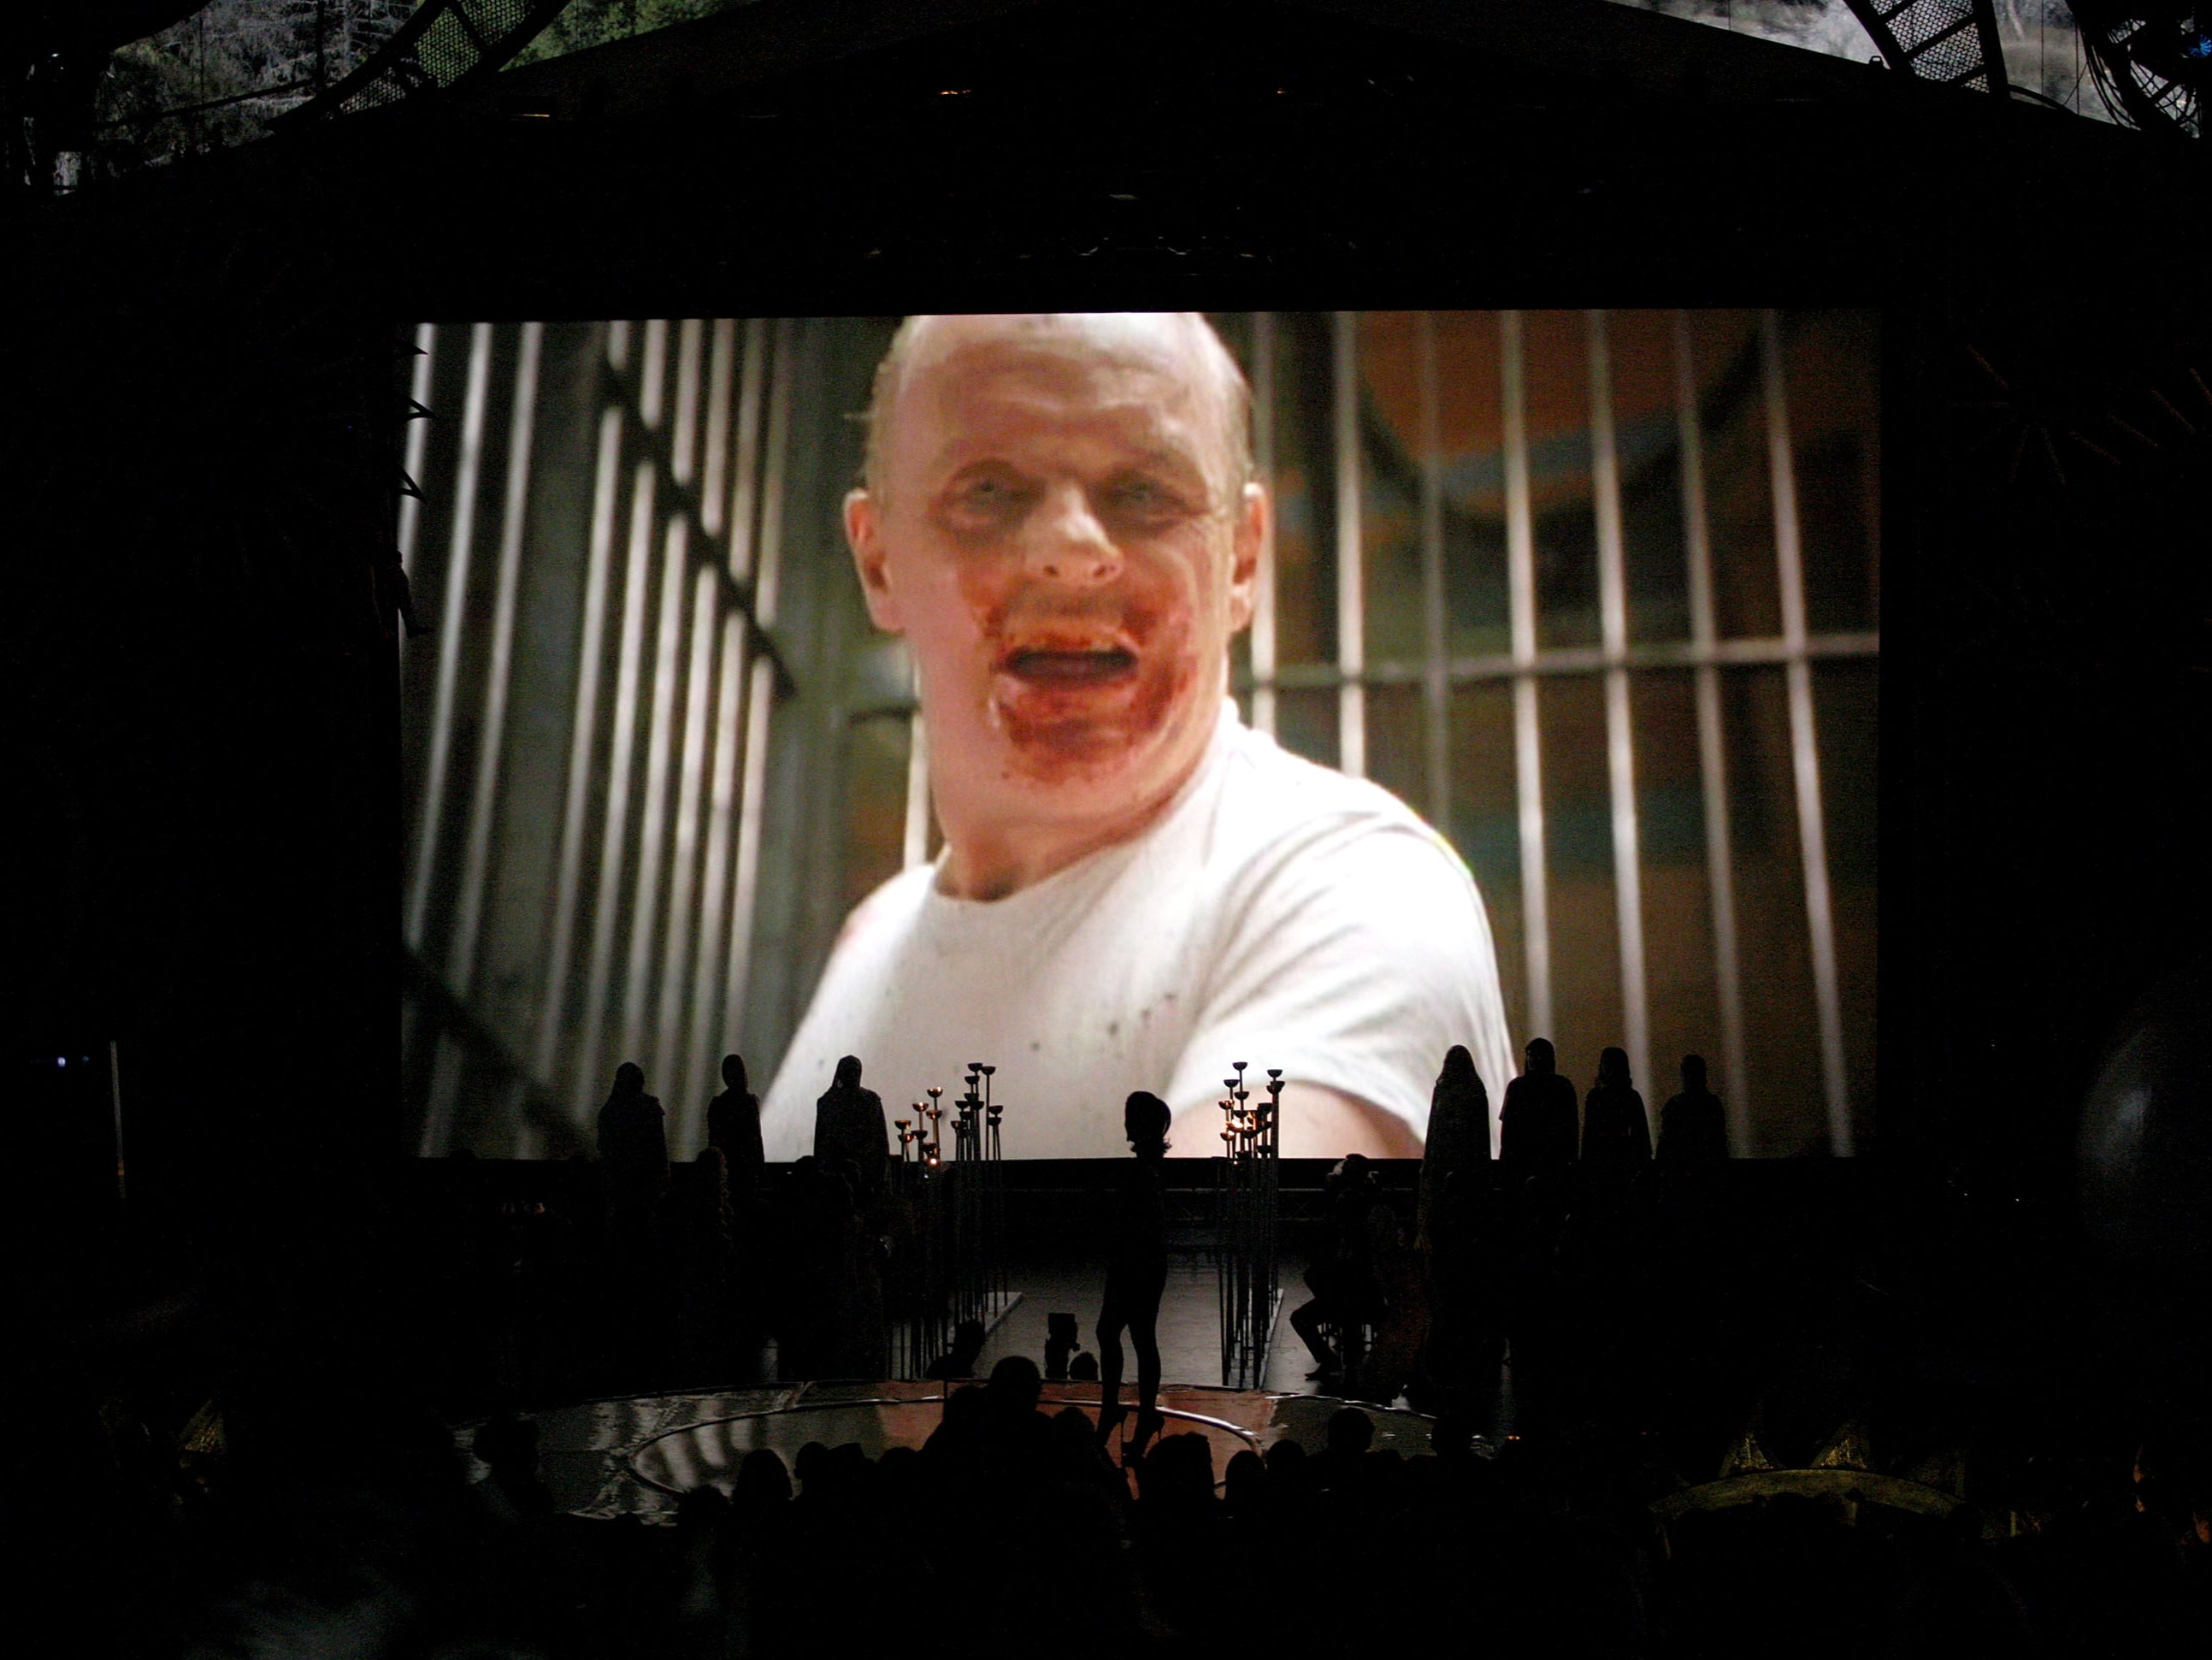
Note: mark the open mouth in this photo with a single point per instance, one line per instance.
(1058, 667)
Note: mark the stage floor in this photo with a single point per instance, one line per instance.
(633, 1456)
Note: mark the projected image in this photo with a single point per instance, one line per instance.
(1114, 700)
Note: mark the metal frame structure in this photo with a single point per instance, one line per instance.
(652, 889)
(444, 44)
(1953, 43)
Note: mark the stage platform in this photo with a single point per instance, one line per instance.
(608, 1459)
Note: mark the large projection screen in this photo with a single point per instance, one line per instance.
(1592, 595)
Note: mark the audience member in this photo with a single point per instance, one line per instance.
(1458, 1137)
(1692, 1130)
(849, 1127)
(1537, 1127)
(733, 1126)
(1616, 1135)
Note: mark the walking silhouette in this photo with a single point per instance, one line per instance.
(1136, 1271)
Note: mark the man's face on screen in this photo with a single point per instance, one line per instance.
(1056, 530)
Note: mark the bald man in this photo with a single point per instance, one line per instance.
(1136, 889)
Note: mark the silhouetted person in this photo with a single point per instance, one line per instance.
(1458, 1134)
(733, 1126)
(1692, 1130)
(959, 1361)
(1537, 1127)
(1341, 1278)
(1615, 1132)
(633, 1146)
(849, 1125)
(1136, 1270)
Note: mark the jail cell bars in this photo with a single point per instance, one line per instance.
(588, 733)
(1334, 507)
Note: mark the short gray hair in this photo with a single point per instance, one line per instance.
(1235, 397)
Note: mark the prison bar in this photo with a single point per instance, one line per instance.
(1733, 1086)
(1619, 736)
(1527, 753)
(1804, 746)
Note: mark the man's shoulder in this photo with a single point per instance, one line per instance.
(894, 907)
(1277, 811)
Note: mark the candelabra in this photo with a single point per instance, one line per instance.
(956, 1270)
(1245, 1193)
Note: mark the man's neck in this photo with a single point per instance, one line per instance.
(987, 858)
(1000, 861)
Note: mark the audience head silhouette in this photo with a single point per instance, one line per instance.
(1459, 1071)
(1542, 1061)
(733, 1074)
(849, 1073)
(1015, 1385)
(1144, 1120)
(629, 1080)
(1693, 1073)
(1613, 1069)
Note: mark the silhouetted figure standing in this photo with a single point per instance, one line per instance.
(1458, 1134)
(734, 1127)
(1536, 1125)
(1136, 1270)
(1692, 1130)
(1615, 1132)
(849, 1127)
(633, 1146)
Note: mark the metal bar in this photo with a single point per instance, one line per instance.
(652, 373)
(1527, 753)
(583, 734)
(707, 963)
(1351, 597)
(713, 508)
(684, 874)
(752, 804)
(1712, 759)
(629, 649)
(1435, 666)
(450, 633)
(418, 447)
(1804, 746)
(645, 911)
(1619, 734)
(744, 487)
(1263, 463)
(683, 441)
(744, 883)
(916, 848)
(491, 732)
(775, 445)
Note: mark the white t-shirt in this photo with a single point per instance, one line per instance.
(1279, 913)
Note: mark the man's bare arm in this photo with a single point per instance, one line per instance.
(1318, 1122)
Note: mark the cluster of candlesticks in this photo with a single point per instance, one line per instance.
(1247, 1195)
(958, 1270)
